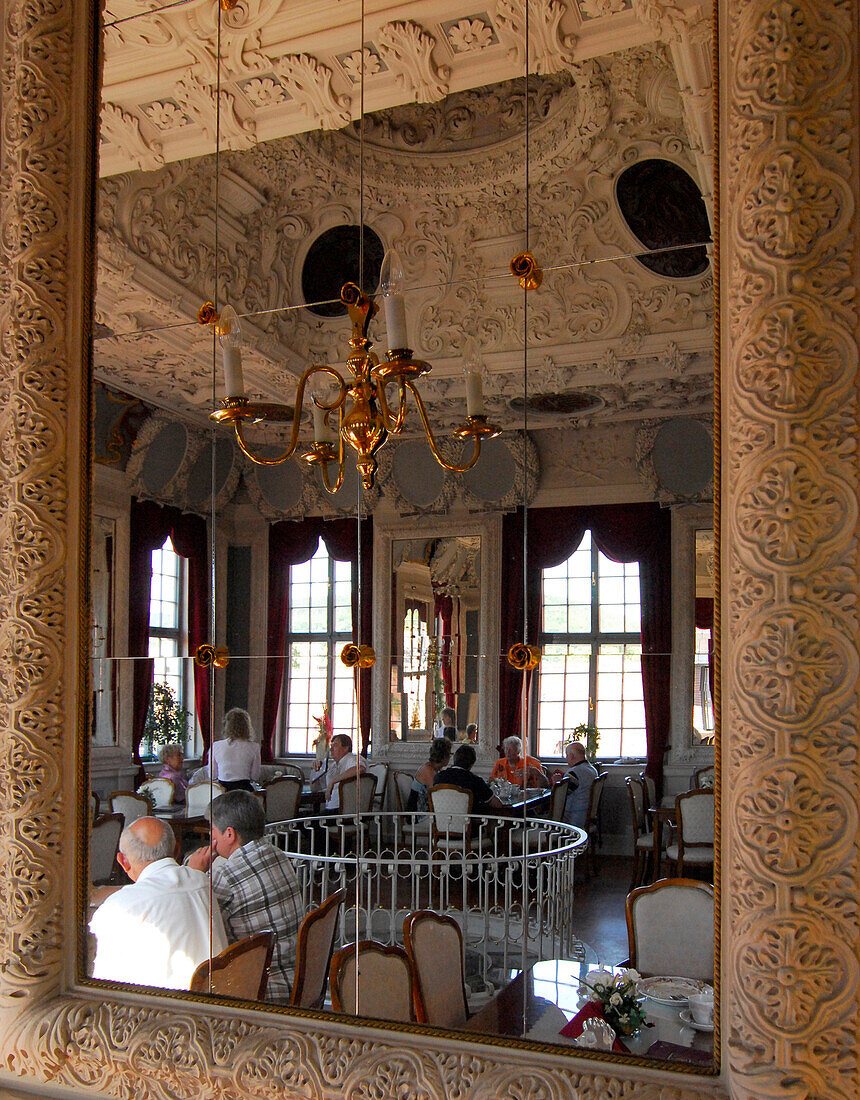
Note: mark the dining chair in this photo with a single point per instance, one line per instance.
(314, 950)
(557, 799)
(450, 807)
(434, 944)
(670, 929)
(241, 971)
(380, 770)
(356, 794)
(198, 798)
(412, 829)
(131, 805)
(356, 797)
(643, 841)
(649, 788)
(161, 792)
(592, 819)
(104, 844)
(694, 843)
(282, 798)
(293, 771)
(384, 982)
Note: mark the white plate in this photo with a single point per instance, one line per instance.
(670, 991)
(687, 1017)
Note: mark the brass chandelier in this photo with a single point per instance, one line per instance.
(360, 413)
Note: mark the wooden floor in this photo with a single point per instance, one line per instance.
(599, 908)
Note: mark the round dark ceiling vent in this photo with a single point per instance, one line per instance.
(574, 403)
(332, 260)
(663, 208)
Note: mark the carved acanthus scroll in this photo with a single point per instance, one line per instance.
(407, 50)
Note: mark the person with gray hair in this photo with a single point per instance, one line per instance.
(234, 761)
(171, 756)
(156, 930)
(581, 774)
(522, 771)
(255, 883)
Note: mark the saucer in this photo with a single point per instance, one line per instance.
(687, 1017)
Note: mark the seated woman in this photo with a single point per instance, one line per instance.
(235, 760)
(425, 777)
(171, 756)
(517, 769)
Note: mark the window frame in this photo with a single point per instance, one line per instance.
(334, 639)
(594, 639)
(193, 745)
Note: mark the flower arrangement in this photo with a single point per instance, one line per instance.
(617, 997)
(323, 740)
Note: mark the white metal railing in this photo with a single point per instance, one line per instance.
(509, 884)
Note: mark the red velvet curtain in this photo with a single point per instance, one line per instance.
(289, 544)
(150, 525)
(443, 608)
(625, 533)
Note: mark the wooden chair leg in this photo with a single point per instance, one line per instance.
(637, 871)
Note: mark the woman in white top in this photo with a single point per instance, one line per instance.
(235, 760)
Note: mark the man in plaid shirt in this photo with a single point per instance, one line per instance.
(255, 883)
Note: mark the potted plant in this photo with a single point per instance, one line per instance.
(590, 736)
(167, 720)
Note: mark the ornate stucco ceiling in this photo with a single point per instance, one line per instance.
(443, 174)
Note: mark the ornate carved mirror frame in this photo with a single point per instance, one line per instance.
(789, 504)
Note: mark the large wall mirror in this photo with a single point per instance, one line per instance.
(259, 156)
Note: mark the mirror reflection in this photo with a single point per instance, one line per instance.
(436, 609)
(479, 827)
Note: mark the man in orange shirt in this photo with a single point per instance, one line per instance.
(512, 765)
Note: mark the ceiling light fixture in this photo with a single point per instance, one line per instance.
(359, 412)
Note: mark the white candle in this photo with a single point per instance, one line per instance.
(395, 322)
(233, 380)
(474, 393)
(322, 432)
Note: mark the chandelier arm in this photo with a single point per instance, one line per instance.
(392, 424)
(323, 368)
(329, 488)
(259, 460)
(432, 440)
(316, 368)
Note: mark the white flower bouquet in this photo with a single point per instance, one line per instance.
(616, 994)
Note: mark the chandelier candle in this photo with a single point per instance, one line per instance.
(390, 285)
(230, 339)
(474, 389)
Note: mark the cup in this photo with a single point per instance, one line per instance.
(702, 1007)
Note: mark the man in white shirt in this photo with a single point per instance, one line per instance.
(156, 931)
(345, 764)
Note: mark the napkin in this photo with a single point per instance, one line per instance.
(573, 1029)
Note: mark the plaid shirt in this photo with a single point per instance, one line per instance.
(257, 889)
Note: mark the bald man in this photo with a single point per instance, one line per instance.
(156, 931)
